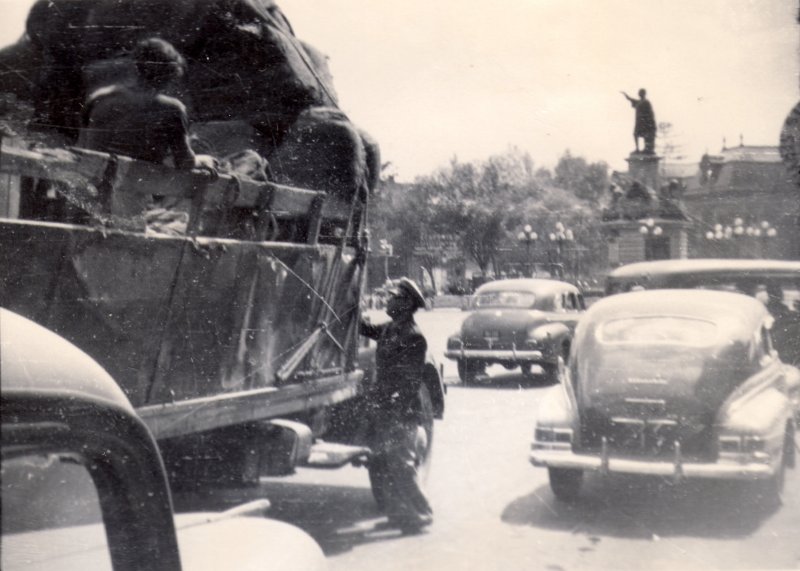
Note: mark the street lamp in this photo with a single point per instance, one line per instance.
(765, 232)
(386, 250)
(528, 237)
(648, 229)
(562, 234)
(759, 234)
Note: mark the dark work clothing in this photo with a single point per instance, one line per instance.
(645, 125)
(397, 438)
(137, 123)
(399, 358)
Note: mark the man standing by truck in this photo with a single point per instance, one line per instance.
(396, 409)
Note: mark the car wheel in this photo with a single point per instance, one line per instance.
(468, 371)
(565, 483)
(379, 474)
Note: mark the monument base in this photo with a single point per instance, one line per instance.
(643, 167)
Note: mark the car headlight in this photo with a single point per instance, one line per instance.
(454, 342)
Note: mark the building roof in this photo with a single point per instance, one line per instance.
(751, 153)
(744, 168)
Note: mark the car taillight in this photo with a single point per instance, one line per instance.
(742, 448)
(556, 436)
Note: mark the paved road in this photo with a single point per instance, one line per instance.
(493, 510)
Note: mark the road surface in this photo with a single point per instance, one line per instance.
(493, 510)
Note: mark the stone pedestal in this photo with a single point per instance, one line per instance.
(644, 168)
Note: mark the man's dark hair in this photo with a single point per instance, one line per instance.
(158, 62)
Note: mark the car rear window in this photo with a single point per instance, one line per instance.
(519, 299)
(662, 330)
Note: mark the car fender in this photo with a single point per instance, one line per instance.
(551, 336)
(763, 413)
(555, 409)
(792, 384)
(262, 543)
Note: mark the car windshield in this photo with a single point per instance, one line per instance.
(518, 299)
(661, 330)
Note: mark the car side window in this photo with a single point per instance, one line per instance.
(51, 515)
(572, 304)
(581, 303)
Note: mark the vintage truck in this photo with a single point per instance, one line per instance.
(235, 337)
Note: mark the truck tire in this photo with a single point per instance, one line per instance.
(565, 483)
(379, 476)
(468, 371)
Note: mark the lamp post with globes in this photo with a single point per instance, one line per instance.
(764, 232)
(562, 234)
(528, 237)
(738, 235)
(648, 228)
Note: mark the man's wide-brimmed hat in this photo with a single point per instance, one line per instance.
(407, 287)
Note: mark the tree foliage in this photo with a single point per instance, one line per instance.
(486, 203)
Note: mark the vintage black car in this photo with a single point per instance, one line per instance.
(676, 383)
(775, 282)
(84, 485)
(517, 323)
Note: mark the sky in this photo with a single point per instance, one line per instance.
(436, 79)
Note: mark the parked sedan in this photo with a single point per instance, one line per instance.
(517, 323)
(676, 383)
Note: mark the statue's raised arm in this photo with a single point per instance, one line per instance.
(645, 126)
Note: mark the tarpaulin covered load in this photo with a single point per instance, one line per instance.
(243, 58)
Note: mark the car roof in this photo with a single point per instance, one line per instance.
(34, 360)
(707, 266)
(741, 313)
(536, 286)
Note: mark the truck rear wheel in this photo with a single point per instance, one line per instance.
(565, 483)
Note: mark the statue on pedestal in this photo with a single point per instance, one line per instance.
(645, 126)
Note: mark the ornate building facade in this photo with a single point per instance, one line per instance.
(743, 203)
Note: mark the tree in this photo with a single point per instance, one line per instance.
(474, 200)
(485, 203)
(587, 181)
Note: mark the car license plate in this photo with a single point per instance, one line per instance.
(491, 334)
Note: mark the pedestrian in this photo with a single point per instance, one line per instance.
(397, 437)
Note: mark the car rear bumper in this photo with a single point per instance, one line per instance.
(506, 355)
(553, 457)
